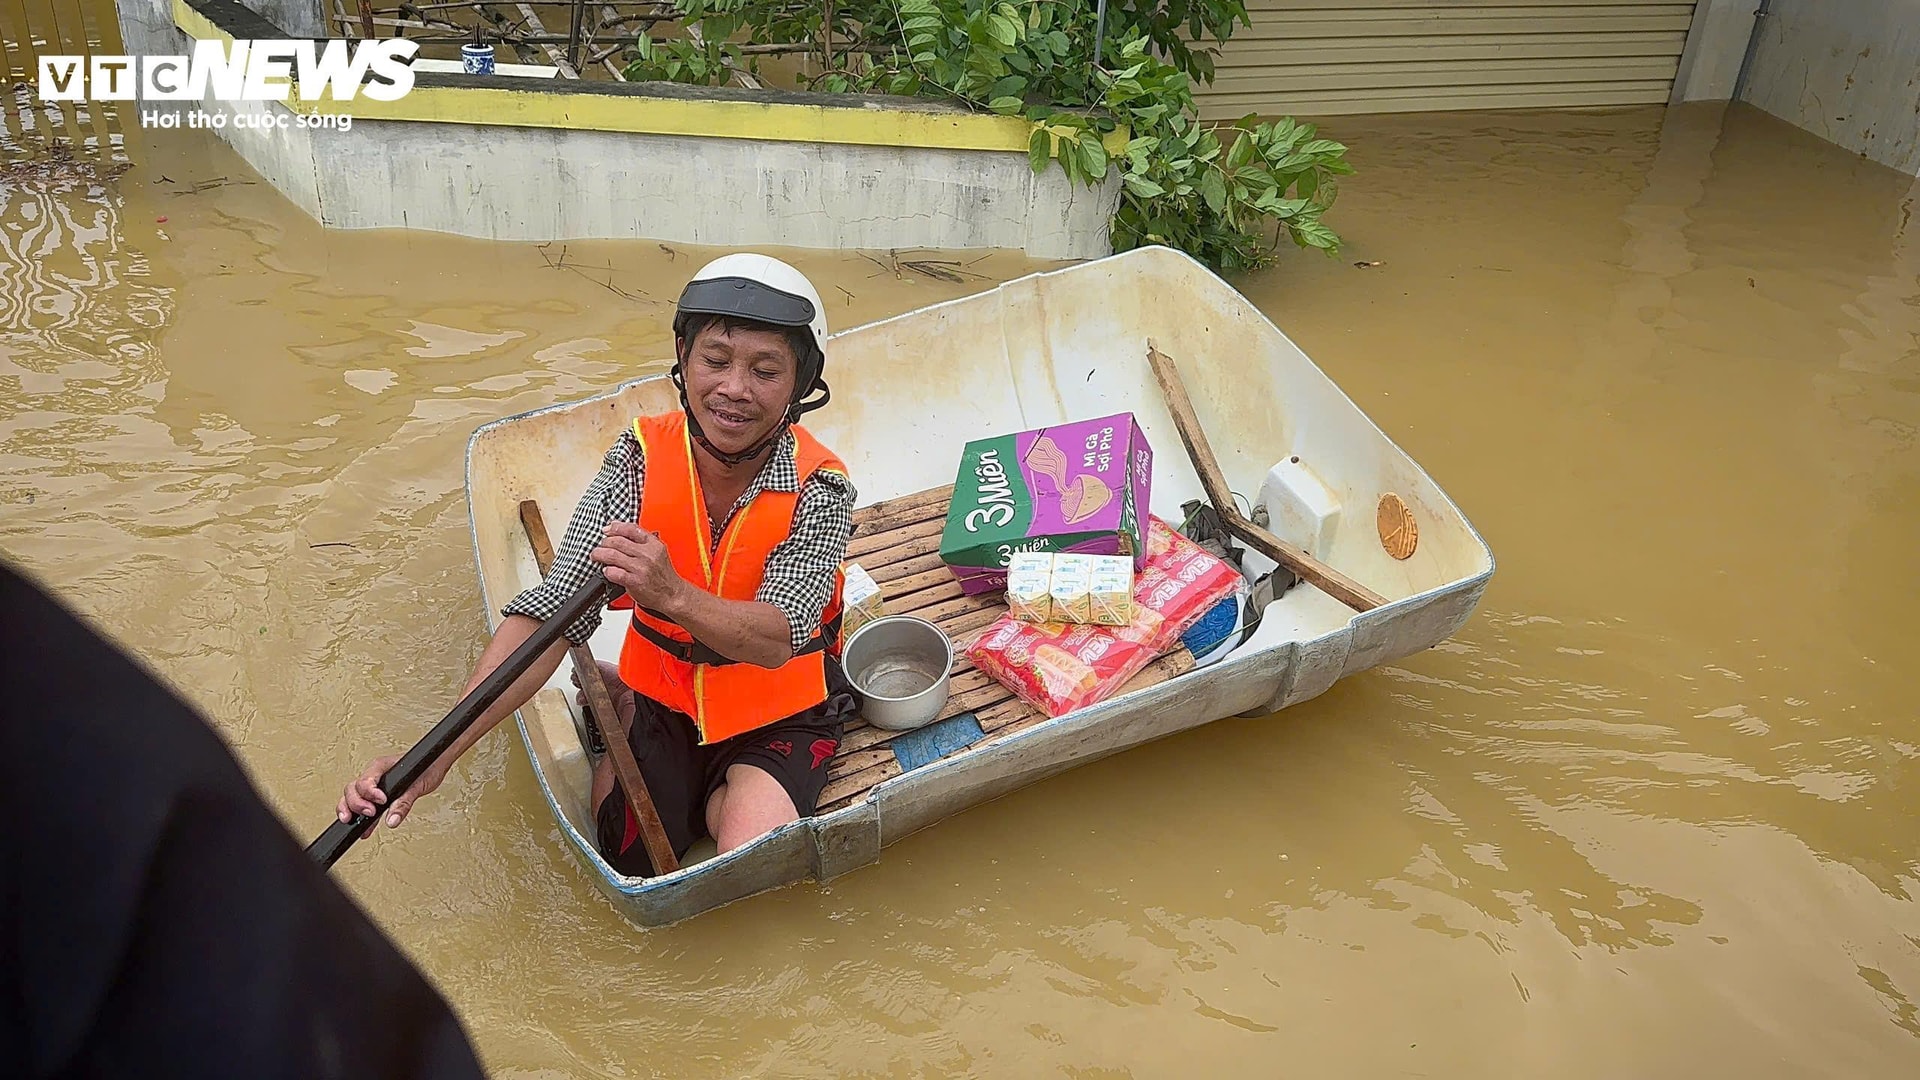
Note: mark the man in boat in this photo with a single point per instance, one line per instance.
(736, 704)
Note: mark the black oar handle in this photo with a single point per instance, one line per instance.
(330, 845)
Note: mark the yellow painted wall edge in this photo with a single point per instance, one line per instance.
(769, 121)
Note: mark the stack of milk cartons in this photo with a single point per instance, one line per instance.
(1069, 587)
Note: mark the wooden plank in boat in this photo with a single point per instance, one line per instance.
(941, 581)
(905, 510)
(921, 599)
(959, 701)
(919, 564)
(917, 547)
(965, 679)
(915, 594)
(876, 545)
(999, 722)
(899, 547)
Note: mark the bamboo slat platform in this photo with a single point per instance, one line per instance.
(897, 542)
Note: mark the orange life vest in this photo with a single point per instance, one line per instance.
(662, 660)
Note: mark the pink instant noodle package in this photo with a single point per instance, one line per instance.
(1058, 667)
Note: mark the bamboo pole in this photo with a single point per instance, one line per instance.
(618, 23)
(552, 47)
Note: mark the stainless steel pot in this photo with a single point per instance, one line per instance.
(901, 665)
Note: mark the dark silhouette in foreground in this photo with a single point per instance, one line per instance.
(156, 918)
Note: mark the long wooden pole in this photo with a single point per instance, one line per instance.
(652, 833)
(1319, 574)
(327, 848)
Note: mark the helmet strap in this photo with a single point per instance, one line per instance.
(800, 407)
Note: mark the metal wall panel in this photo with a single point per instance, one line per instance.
(1333, 57)
(30, 127)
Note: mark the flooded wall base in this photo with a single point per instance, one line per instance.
(447, 169)
(1846, 70)
(511, 183)
(533, 184)
(1716, 46)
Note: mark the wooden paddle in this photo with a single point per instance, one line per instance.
(652, 833)
(1323, 577)
(330, 845)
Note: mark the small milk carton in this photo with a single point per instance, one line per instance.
(1110, 596)
(1072, 588)
(1029, 586)
(1082, 487)
(860, 600)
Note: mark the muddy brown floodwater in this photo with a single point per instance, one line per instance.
(1652, 812)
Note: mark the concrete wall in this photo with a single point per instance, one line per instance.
(146, 28)
(512, 182)
(1846, 70)
(299, 18)
(529, 183)
(1716, 46)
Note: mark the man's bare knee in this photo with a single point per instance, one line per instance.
(750, 804)
(716, 807)
(602, 781)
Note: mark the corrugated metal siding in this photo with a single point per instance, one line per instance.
(29, 127)
(1332, 57)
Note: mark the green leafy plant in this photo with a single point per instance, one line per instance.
(708, 58)
(1226, 195)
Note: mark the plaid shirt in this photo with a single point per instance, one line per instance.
(800, 570)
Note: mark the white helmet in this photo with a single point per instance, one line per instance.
(762, 288)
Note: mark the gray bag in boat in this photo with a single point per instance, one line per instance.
(1203, 526)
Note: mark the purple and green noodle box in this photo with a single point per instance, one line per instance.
(1079, 487)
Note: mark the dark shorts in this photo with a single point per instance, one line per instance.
(681, 774)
